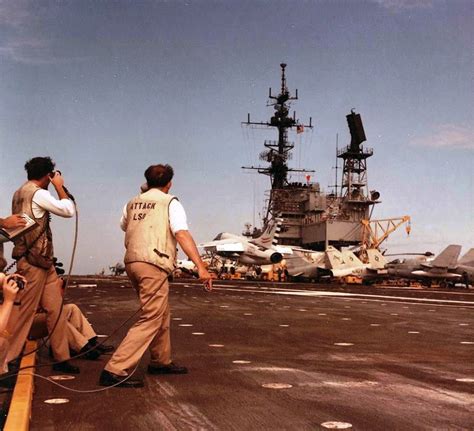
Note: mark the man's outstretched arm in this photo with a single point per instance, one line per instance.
(188, 245)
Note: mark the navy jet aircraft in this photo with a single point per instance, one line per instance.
(334, 263)
(117, 269)
(262, 250)
(442, 268)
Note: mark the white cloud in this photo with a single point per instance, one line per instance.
(402, 5)
(24, 50)
(23, 24)
(15, 13)
(20, 43)
(450, 136)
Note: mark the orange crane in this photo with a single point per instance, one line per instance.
(375, 232)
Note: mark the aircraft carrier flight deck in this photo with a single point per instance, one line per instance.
(279, 356)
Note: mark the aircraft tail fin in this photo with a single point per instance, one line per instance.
(467, 259)
(448, 258)
(334, 258)
(376, 259)
(270, 235)
(350, 258)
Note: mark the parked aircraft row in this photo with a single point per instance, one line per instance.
(309, 264)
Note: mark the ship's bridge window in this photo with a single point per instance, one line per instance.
(218, 237)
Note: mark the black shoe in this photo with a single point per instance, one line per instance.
(92, 353)
(110, 379)
(66, 367)
(7, 380)
(14, 366)
(167, 369)
(102, 348)
(105, 348)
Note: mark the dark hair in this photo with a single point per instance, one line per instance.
(38, 167)
(158, 175)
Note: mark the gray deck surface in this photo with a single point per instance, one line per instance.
(407, 349)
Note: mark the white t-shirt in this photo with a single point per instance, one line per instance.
(177, 217)
(44, 201)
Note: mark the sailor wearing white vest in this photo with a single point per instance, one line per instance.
(154, 222)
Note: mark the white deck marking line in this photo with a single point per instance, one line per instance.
(426, 289)
(333, 425)
(56, 401)
(329, 293)
(277, 386)
(62, 377)
(247, 287)
(359, 296)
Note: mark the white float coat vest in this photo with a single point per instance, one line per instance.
(148, 236)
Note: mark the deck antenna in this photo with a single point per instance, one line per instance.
(336, 168)
(278, 152)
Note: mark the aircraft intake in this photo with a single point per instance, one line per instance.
(276, 258)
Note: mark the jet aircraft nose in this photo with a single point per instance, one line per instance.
(276, 257)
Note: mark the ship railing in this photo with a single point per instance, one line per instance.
(366, 151)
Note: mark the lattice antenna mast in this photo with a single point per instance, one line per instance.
(278, 152)
(354, 172)
(336, 168)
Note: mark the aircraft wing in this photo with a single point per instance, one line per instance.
(298, 266)
(223, 246)
(283, 249)
(310, 256)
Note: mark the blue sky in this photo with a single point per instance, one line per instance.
(107, 88)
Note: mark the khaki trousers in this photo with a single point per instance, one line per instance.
(43, 288)
(79, 330)
(152, 328)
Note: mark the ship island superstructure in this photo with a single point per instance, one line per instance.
(311, 217)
